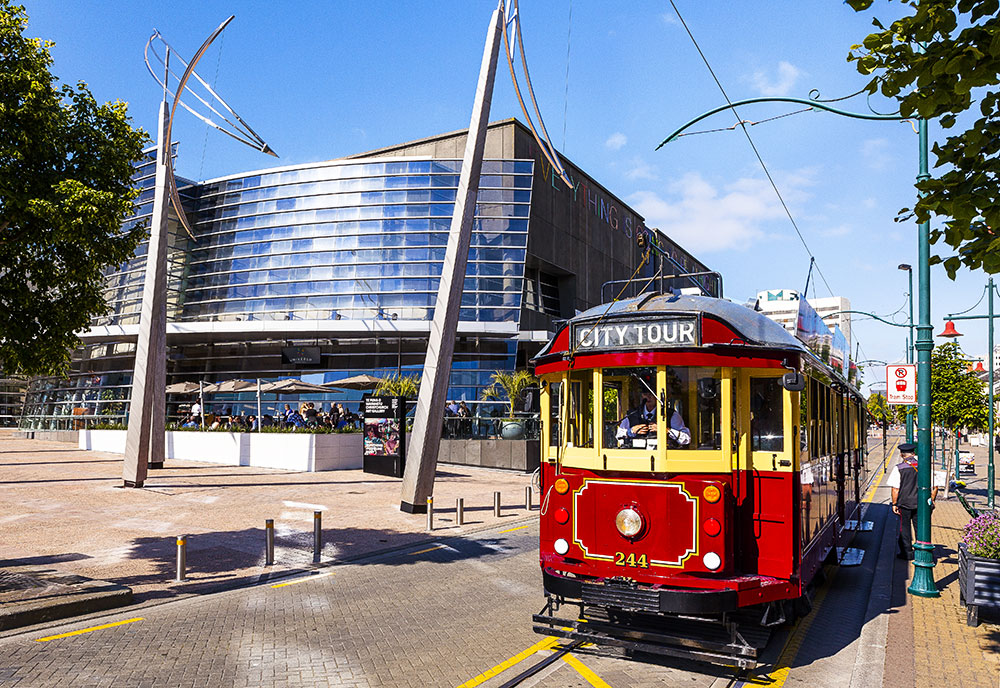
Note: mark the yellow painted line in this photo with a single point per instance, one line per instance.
(302, 580)
(425, 551)
(585, 671)
(88, 630)
(544, 644)
(511, 530)
(878, 479)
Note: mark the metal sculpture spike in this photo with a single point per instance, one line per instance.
(512, 19)
(238, 130)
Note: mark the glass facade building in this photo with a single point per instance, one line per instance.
(345, 257)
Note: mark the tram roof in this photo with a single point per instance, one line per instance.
(756, 328)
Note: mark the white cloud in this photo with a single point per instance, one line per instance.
(869, 203)
(703, 218)
(837, 231)
(616, 141)
(669, 18)
(781, 84)
(876, 153)
(640, 169)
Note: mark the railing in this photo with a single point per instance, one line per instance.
(525, 426)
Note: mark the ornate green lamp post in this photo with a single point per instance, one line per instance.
(922, 583)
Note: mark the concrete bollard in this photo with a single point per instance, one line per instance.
(317, 535)
(496, 504)
(181, 558)
(430, 513)
(269, 542)
(527, 497)
(460, 511)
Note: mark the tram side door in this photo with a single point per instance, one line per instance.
(766, 475)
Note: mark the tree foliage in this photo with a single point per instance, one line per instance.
(398, 385)
(878, 409)
(957, 68)
(957, 396)
(66, 164)
(509, 386)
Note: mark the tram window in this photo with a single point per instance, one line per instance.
(804, 425)
(555, 414)
(630, 408)
(706, 393)
(580, 425)
(766, 415)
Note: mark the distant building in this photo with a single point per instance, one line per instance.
(782, 306)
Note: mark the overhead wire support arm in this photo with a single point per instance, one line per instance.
(815, 104)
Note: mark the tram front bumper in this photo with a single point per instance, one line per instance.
(640, 599)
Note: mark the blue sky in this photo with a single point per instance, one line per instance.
(319, 80)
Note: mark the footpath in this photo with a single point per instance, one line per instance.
(69, 531)
(929, 643)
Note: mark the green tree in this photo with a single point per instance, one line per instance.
(398, 385)
(959, 66)
(957, 396)
(878, 409)
(66, 164)
(509, 386)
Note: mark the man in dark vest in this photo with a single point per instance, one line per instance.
(903, 481)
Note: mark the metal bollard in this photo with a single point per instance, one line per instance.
(181, 558)
(460, 511)
(430, 513)
(496, 503)
(527, 497)
(269, 540)
(317, 535)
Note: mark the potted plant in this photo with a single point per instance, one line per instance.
(979, 565)
(509, 387)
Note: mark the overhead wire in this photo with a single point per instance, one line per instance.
(741, 123)
(569, 34)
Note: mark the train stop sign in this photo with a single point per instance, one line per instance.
(901, 384)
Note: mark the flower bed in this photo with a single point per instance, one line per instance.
(979, 565)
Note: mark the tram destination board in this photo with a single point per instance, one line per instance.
(673, 331)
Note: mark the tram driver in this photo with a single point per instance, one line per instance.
(638, 428)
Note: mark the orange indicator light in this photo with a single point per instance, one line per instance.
(562, 487)
(712, 494)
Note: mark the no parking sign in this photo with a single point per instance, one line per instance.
(901, 384)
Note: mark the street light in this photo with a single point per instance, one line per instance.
(909, 344)
(922, 583)
(950, 331)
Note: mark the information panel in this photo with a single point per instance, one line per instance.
(901, 384)
(385, 435)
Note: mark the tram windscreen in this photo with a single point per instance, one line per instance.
(766, 415)
(633, 400)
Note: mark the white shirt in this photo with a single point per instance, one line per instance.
(937, 480)
(196, 409)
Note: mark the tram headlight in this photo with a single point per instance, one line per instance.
(561, 546)
(629, 522)
(712, 561)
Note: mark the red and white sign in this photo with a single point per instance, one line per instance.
(901, 384)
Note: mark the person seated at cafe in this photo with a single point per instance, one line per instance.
(190, 422)
(296, 420)
(640, 423)
(311, 416)
(252, 424)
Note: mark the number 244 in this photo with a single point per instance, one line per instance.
(631, 560)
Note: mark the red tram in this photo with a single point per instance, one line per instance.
(698, 465)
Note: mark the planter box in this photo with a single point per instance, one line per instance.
(288, 451)
(979, 583)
